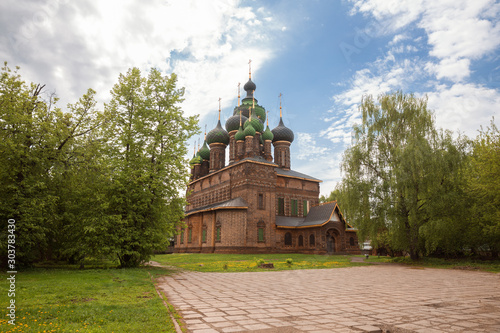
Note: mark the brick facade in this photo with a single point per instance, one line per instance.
(257, 204)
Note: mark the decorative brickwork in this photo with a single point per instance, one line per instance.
(255, 205)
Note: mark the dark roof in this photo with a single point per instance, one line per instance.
(317, 216)
(295, 174)
(236, 203)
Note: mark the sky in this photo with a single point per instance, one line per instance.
(322, 55)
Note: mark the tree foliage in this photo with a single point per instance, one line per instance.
(88, 183)
(483, 187)
(147, 139)
(401, 175)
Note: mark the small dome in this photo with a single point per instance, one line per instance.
(260, 112)
(256, 123)
(240, 135)
(267, 135)
(218, 135)
(204, 151)
(282, 133)
(196, 159)
(233, 122)
(249, 87)
(249, 130)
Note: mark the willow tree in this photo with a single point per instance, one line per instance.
(483, 187)
(400, 174)
(147, 143)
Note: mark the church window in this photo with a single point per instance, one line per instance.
(204, 234)
(301, 240)
(281, 206)
(190, 234)
(260, 232)
(305, 207)
(294, 205)
(351, 241)
(182, 236)
(288, 239)
(260, 201)
(312, 240)
(217, 232)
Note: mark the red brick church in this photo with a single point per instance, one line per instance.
(257, 203)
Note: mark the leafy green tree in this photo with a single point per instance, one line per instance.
(42, 151)
(483, 187)
(146, 147)
(401, 173)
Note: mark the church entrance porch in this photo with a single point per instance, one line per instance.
(331, 236)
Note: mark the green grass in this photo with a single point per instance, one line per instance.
(462, 263)
(93, 300)
(209, 262)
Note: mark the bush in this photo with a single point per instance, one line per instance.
(289, 261)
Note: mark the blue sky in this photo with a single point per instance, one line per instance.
(322, 55)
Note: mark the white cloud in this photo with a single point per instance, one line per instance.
(457, 30)
(72, 46)
(464, 107)
(308, 147)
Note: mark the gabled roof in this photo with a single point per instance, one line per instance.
(295, 174)
(317, 217)
(236, 203)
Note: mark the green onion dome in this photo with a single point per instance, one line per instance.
(267, 135)
(240, 135)
(282, 133)
(249, 130)
(192, 162)
(204, 151)
(196, 159)
(256, 123)
(260, 112)
(218, 135)
(233, 122)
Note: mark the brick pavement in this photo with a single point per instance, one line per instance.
(379, 298)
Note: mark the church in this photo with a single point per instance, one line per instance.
(257, 203)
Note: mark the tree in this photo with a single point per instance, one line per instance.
(146, 147)
(483, 186)
(401, 173)
(39, 149)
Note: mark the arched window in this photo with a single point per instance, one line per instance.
(312, 240)
(301, 240)
(204, 234)
(351, 241)
(218, 232)
(288, 239)
(182, 236)
(261, 226)
(190, 233)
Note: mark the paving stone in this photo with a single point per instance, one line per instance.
(429, 300)
(369, 329)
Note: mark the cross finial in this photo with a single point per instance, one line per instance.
(249, 68)
(205, 131)
(281, 114)
(238, 94)
(267, 118)
(219, 107)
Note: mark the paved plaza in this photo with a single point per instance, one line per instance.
(381, 298)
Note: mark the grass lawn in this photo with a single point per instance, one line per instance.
(93, 300)
(462, 263)
(211, 262)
